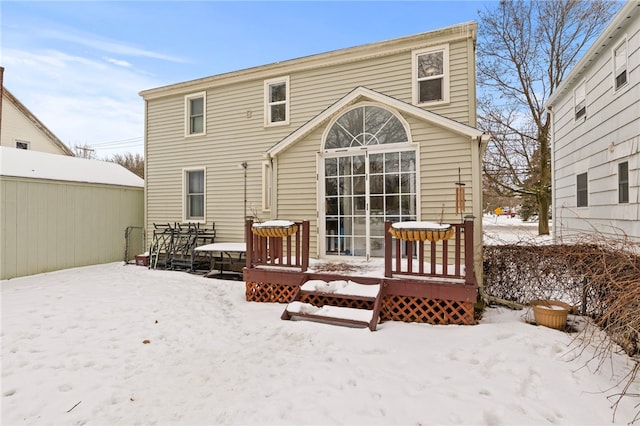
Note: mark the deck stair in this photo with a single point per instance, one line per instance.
(337, 302)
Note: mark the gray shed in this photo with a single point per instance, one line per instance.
(59, 212)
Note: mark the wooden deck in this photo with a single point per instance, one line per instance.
(419, 286)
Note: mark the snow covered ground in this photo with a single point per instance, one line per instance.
(114, 344)
(508, 230)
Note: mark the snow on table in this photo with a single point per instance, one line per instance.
(225, 247)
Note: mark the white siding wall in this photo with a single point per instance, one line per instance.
(16, 126)
(609, 135)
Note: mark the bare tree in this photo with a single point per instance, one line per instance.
(525, 49)
(134, 163)
(84, 151)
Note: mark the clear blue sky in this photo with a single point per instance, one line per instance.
(79, 66)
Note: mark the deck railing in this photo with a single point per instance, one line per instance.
(416, 259)
(282, 252)
(431, 259)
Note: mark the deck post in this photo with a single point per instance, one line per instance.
(387, 250)
(469, 271)
(305, 245)
(248, 238)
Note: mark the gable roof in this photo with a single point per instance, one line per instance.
(611, 34)
(35, 121)
(362, 93)
(24, 163)
(326, 59)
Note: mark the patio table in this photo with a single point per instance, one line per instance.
(229, 254)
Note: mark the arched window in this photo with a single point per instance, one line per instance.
(364, 126)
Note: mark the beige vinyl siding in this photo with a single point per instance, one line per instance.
(297, 183)
(52, 225)
(233, 137)
(438, 149)
(441, 153)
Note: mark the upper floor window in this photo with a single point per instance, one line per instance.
(582, 193)
(22, 144)
(580, 100)
(365, 126)
(431, 75)
(194, 191)
(195, 114)
(276, 101)
(623, 182)
(620, 65)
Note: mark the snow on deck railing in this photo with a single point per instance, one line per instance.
(420, 249)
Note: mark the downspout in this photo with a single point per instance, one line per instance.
(145, 193)
(552, 138)
(478, 149)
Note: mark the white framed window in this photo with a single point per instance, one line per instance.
(195, 111)
(22, 144)
(580, 100)
(276, 101)
(623, 182)
(582, 190)
(620, 76)
(431, 75)
(194, 200)
(266, 185)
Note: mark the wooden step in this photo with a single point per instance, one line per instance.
(332, 291)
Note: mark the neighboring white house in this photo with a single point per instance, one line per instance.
(21, 129)
(59, 212)
(596, 136)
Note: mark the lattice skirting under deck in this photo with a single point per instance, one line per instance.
(319, 300)
(269, 292)
(430, 311)
(394, 308)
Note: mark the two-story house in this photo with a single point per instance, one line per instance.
(346, 139)
(596, 136)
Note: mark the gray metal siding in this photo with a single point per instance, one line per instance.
(51, 225)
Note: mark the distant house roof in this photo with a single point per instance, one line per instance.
(41, 165)
(6, 95)
(610, 34)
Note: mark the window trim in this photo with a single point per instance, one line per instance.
(583, 115)
(20, 141)
(267, 104)
(185, 195)
(187, 114)
(623, 185)
(267, 185)
(617, 46)
(445, 78)
(584, 190)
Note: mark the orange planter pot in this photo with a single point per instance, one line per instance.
(550, 313)
(422, 234)
(275, 231)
